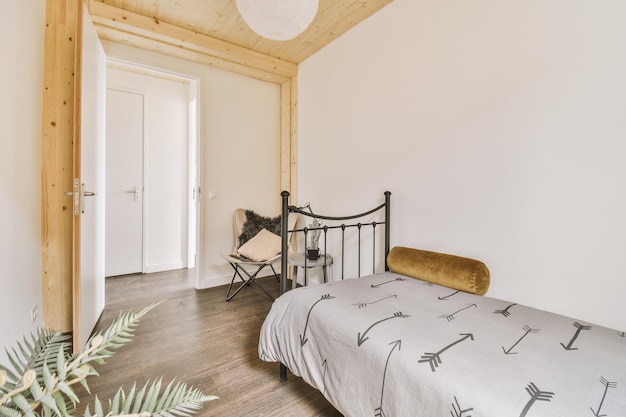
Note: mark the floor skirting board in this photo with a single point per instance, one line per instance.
(165, 267)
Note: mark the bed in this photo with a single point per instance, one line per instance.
(420, 339)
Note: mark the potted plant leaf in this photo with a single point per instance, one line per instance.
(43, 372)
(313, 249)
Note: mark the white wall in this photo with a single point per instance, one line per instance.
(21, 78)
(166, 165)
(239, 151)
(499, 127)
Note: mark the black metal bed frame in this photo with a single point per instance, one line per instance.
(291, 234)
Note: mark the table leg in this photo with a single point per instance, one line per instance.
(294, 278)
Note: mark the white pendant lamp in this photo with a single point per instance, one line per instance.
(280, 20)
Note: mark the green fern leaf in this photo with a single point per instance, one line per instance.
(139, 399)
(54, 353)
(60, 362)
(32, 354)
(44, 357)
(25, 350)
(114, 406)
(84, 384)
(9, 412)
(22, 403)
(164, 397)
(152, 397)
(48, 378)
(192, 400)
(61, 403)
(17, 369)
(175, 400)
(128, 399)
(36, 391)
(176, 396)
(46, 346)
(50, 404)
(68, 392)
(98, 408)
(119, 333)
(78, 372)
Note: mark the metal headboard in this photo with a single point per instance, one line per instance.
(287, 209)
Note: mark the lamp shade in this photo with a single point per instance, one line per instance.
(279, 20)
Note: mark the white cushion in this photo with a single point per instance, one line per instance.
(263, 246)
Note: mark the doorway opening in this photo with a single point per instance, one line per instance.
(151, 170)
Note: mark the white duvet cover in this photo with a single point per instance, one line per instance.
(390, 345)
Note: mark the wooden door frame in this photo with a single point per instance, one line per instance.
(60, 134)
(60, 233)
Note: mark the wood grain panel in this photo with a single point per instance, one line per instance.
(143, 32)
(286, 122)
(220, 19)
(77, 173)
(57, 147)
(333, 19)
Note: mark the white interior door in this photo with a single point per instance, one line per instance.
(88, 193)
(124, 182)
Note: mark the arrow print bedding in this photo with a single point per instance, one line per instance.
(392, 345)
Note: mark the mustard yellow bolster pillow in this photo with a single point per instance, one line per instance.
(452, 271)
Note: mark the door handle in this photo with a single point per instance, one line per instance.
(85, 193)
(82, 197)
(134, 191)
(78, 197)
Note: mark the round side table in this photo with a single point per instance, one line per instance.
(299, 260)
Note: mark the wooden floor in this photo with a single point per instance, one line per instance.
(197, 337)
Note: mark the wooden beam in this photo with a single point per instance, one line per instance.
(191, 56)
(149, 33)
(285, 135)
(57, 147)
(292, 163)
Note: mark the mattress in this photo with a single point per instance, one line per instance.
(391, 345)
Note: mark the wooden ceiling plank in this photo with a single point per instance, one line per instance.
(228, 21)
(158, 46)
(149, 28)
(220, 20)
(327, 11)
(207, 16)
(334, 18)
(339, 18)
(357, 12)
